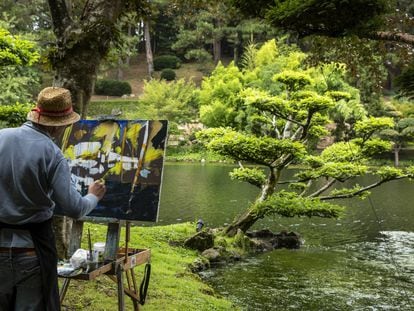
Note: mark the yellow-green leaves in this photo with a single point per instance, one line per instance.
(16, 51)
(367, 127)
(289, 204)
(293, 80)
(245, 147)
(254, 176)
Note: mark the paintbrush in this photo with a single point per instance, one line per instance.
(90, 245)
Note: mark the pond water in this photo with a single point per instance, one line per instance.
(363, 261)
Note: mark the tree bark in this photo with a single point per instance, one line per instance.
(396, 157)
(391, 36)
(247, 220)
(148, 50)
(217, 50)
(81, 46)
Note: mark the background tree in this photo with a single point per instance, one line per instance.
(17, 77)
(84, 33)
(382, 20)
(274, 111)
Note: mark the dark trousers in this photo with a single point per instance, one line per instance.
(20, 283)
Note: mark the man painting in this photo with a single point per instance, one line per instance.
(34, 178)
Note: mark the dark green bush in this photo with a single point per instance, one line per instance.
(166, 61)
(168, 74)
(112, 87)
(13, 115)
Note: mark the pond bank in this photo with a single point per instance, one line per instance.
(172, 285)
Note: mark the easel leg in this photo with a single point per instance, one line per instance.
(63, 290)
(119, 279)
(132, 287)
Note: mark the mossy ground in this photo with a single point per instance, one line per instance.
(172, 285)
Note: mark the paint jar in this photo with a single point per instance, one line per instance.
(98, 251)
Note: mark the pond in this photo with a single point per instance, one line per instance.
(363, 261)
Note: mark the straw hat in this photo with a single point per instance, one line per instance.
(53, 108)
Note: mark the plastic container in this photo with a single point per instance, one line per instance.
(79, 258)
(98, 251)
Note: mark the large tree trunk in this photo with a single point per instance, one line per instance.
(80, 47)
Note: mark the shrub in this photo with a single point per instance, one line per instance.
(166, 61)
(13, 115)
(175, 101)
(168, 74)
(112, 87)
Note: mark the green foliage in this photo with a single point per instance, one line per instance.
(269, 113)
(14, 51)
(18, 79)
(13, 115)
(367, 127)
(254, 176)
(175, 101)
(327, 17)
(244, 147)
(112, 87)
(168, 74)
(289, 204)
(166, 61)
(405, 82)
(293, 80)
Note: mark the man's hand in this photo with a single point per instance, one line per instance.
(97, 188)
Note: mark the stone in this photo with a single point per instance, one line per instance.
(200, 241)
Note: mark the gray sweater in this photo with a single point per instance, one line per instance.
(34, 177)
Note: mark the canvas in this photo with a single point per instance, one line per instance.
(127, 155)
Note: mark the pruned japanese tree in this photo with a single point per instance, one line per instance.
(268, 115)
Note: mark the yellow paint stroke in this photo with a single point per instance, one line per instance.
(107, 132)
(79, 134)
(65, 138)
(153, 154)
(69, 152)
(88, 155)
(116, 169)
(133, 133)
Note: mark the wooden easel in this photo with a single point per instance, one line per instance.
(117, 261)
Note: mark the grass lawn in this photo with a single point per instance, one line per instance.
(172, 285)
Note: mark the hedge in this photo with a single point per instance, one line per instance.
(112, 87)
(166, 61)
(168, 74)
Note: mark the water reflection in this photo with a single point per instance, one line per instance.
(352, 263)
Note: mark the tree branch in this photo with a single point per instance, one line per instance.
(60, 16)
(391, 36)
(324, 188)
(357, 192)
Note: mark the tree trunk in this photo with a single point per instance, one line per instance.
(120, 72)
(247, 220)
(396, 157)
(148, 50)
(217, 50)
(81, 44)
(244, 223)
